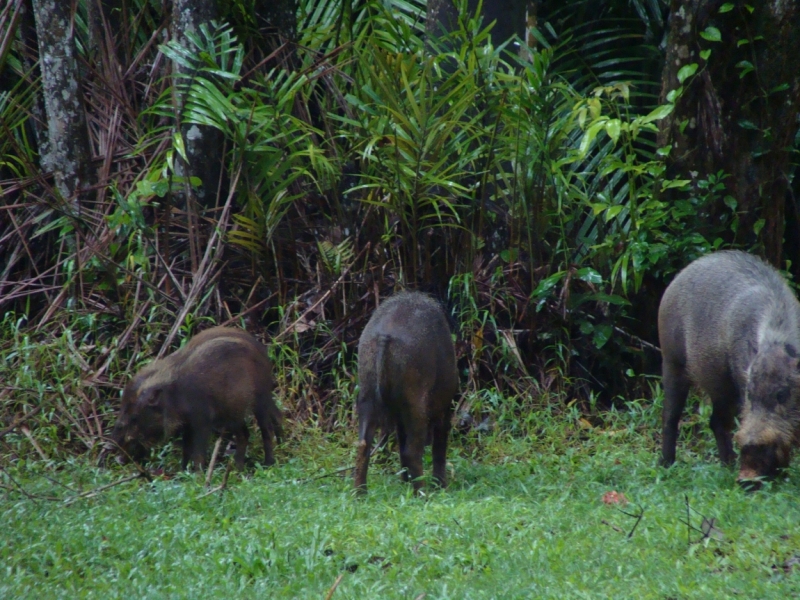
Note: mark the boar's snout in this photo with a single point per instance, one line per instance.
(760, 462)
(749, 479)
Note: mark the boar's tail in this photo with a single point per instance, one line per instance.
(380, 367)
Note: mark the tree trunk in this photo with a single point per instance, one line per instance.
(738, 113)
(441, 17)
(203, 144)
(277, 21)
(29, 50)
(69, 150)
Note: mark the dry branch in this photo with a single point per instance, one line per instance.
(222, 486)
(213, 461)
(203, 269)
(334, 586)
(324, 296)
(24, 429)
(20, 420)
(102, 488)
(25, 492)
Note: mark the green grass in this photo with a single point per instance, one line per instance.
(522, 518)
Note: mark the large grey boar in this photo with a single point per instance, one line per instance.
(408, 378)
(729, 324)
(211, 384)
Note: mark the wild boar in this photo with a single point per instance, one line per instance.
(408, 378)
(211, 384)
(729, 324)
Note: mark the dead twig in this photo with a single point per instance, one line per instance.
(24, 429)
(708, 527)
(638, 518)
(203, 271)
(324, 475)
(614, 527)
(20, 420)
(222, 486)
(258, 304)
(213, 462)
(334, 586)
(57, 482)
(25, 492)
(102, 488)
(637, 339)
(324, 296)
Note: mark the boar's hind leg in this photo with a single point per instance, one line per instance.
(721, 423)
(676, 388)
(366, 433)
(265, 425)
(441, 432)
(401, 448)
(242, 437)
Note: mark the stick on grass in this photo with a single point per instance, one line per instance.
(102, 488)
(334, 586)
(213, 462)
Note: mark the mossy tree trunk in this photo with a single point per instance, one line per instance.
(69, 154)
(203, 144)
(738, 112)
(29, 54)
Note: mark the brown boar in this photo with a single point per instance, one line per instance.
(408, 378)
(729, 324)
(211, 384)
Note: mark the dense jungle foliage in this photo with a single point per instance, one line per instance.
(521, 185)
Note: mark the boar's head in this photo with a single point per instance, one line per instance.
(771, 413)
(141, 420)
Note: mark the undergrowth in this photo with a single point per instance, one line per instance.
(523, 516)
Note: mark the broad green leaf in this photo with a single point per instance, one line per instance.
(177, 142)
(589, 275)
(686, 71)
(711, 34)
(659, 113)
(613, 129)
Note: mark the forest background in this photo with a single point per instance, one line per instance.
(543, 169)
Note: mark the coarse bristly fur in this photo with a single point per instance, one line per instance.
(730, 324)
(211, 384)
(407, 378)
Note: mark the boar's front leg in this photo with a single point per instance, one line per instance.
(676, 389)
(725, 408)
(197, 447)
(187, 443)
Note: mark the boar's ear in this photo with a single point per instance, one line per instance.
(791, 350)
(150, 397)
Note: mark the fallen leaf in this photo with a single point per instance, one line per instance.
(614, 497)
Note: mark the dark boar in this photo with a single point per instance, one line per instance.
(211, 384)
(408, 378)
(729, 323)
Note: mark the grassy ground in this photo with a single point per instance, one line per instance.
(522, 518)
